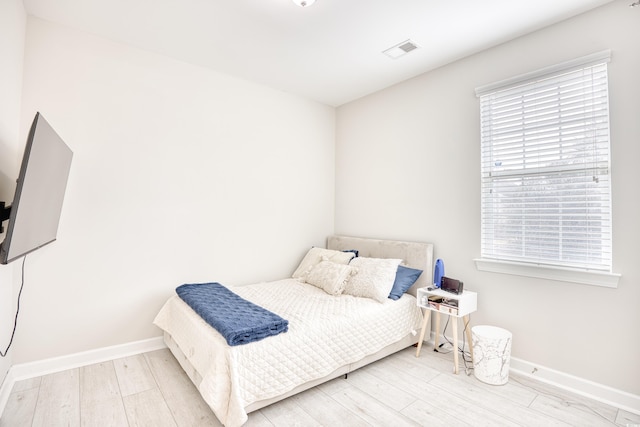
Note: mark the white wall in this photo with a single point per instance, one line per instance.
(179, 175)
(408, 167)
(12, 34)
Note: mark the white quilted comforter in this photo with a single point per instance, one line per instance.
(325, 333)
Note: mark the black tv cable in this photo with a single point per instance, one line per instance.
(15, 321)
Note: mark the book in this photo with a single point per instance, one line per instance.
(443, 305)
(451, 302)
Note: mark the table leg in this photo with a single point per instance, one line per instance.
(423, 330)
(455, 344)
(435, 344)
(467, 329)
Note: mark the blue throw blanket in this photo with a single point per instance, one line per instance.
(239, 321)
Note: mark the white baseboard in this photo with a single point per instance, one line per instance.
(24, 371)
(600, 392)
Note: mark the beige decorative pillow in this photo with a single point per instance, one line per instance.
(374, 278)
(314, 256)
(329, 276)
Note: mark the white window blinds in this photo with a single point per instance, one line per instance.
(545, 167)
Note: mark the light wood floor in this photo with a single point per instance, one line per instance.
(152, 390)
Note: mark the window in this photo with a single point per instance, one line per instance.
(545, 187)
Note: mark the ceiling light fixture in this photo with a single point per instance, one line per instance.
(304, 3)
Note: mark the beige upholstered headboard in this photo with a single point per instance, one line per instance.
(413, 254)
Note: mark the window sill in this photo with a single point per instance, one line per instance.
(595, 278)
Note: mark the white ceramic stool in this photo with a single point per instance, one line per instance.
(491, 354)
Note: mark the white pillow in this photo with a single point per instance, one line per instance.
(314, 256)
(329, 276)
(374, 278)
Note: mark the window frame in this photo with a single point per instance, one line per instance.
(531, 267)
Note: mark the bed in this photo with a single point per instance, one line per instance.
(329, 335)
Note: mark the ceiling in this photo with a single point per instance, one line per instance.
(330, 52)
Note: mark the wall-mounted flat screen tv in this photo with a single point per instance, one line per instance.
(35, 211)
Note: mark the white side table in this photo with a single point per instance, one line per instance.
(467, 303)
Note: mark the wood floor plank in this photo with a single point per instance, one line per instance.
(182, 397)
(20, 408)
(441, 360)
(607, 411)
(419, 368)
(27, 384)
(417, 386)
(371, 410)
(134, 375)
(287, 413)
(513, 390)
(109, 412)
(626, 418)
(426, 367)
(257, 419)
(58, 400)
(334, 386)
(427, 414)
(571, 413)
(477, 396)
(148, 408)
(387, 393)
(327, 411)
(98, 382)
(100, 400)
(451, 405)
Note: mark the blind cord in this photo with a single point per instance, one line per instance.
(15, 321)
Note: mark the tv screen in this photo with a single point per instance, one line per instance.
(35, 212)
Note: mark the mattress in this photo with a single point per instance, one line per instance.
(325, 333)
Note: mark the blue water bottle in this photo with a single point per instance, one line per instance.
(438, 273)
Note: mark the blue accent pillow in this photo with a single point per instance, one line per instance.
(405, 278)
(355, 251)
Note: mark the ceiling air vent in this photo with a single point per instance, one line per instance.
(400, 49)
